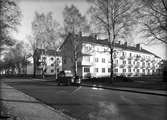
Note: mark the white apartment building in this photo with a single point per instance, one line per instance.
(94, 58)
(51, 60)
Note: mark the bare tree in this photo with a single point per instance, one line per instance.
(113, 17)
(10, 16)
(46, 31)
(15, 59)
(152, 16)
(46, 34)
(74, 23)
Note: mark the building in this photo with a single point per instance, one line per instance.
(50, 60)
(93, 58)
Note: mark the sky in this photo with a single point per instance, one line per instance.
(29, 7)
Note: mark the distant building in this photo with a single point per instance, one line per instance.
(94, 58)
(50, 60)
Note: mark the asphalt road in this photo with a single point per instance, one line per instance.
(86, 103)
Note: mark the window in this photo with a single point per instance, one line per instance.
(114, 54)
(124, 70)
(116, 61)
(129, 70)
(143, 70)
(103, 60)
(115, 70)
(52, 71)
(129, 62)
(52, 58)
(138, 70)
(57, 59)
(87, 58)
(86, 69)
(138, 63)
(58, 70)
(52, 65)
(109, 70)
(96, 60)
(124, 62)
(148, 64)
(96, 70)
(103, 70)
(148, 71)
(130, 54)
(143, 63)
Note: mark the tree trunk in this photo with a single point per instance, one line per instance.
(75, 68)
(34, 62)
(111, 73)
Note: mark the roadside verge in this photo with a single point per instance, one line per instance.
(135, 90)
(25, 107)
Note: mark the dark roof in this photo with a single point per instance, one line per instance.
(91, 39)
(48, 52)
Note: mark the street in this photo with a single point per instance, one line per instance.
(88, 103)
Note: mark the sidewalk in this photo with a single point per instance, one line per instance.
(136, 90)
(25, 107)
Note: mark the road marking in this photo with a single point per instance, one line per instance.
(76, 90)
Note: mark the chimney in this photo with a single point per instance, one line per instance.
(138, 46)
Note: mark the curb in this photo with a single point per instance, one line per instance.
(42, 103)
(126, 90)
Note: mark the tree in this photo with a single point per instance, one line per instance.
(15, 58)
(10, 16)
(113, 17)
(152, 16)
(74, 23)
(46, 34)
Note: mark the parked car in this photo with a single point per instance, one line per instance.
(64, 78)
(76, 80)
(67, 78)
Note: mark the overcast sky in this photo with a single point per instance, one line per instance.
(28, 8)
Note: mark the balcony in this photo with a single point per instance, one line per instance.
(148, 67)
(86, 63)
(137, 66)
(130, 65)
(142, 59)
(143, 66)
(122, 57)
(153, 61)
(130, 58)
(122, 65)
(153, 67)
(148, 60)
(115, 56)
(115, 65)
(138, 58)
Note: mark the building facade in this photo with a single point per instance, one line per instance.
(50, 60)
(94, 58)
